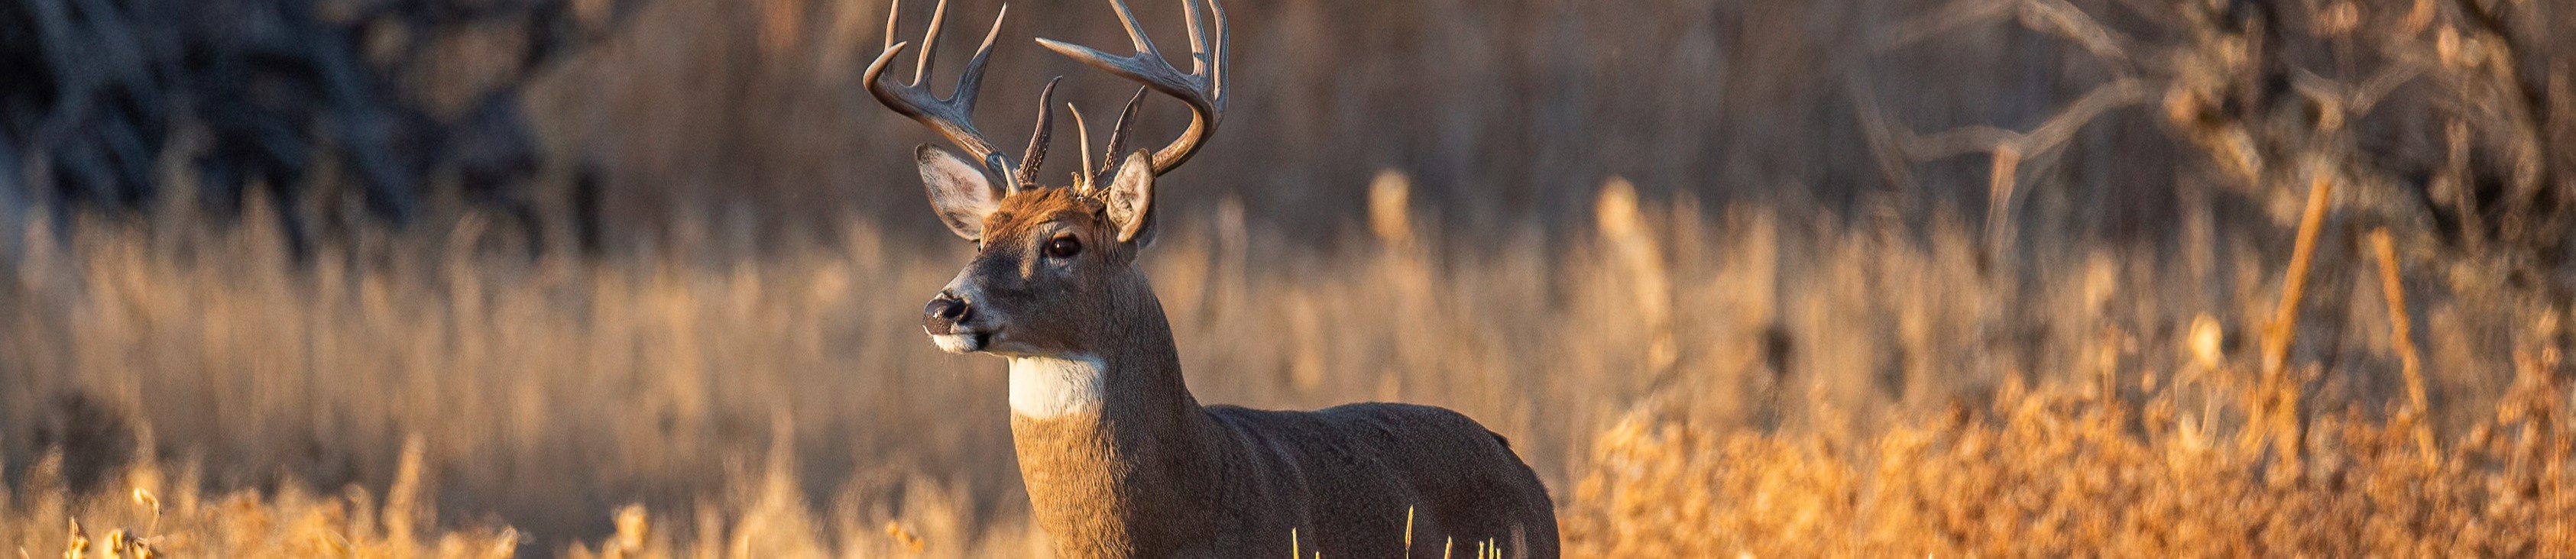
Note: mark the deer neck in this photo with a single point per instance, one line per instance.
(1127, 375)
(1102, 435)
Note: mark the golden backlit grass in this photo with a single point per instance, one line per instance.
(2064, 370)
(2056, 474)
(144, 512)
(1761, 380)
(2039, 474)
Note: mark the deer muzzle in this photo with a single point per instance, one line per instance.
(944, 318)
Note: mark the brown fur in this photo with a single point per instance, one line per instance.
(1151, 473)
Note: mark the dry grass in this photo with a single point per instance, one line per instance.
(145, 512)
(779, 402)
(2088, 343)
(2058, 473)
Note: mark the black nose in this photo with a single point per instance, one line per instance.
(945, 307)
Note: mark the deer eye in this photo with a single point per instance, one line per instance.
(1063, 247)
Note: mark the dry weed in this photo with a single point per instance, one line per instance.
(2054, 473)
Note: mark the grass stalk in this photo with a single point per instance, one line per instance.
(2401, 336)
(2279, 395)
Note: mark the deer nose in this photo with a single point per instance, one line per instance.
(945, 307)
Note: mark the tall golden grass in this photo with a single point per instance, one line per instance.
(2059, 473)
(1691, 384)
(1826, 362)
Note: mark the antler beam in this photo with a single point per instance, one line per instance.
(1203, 89)
(954, 117)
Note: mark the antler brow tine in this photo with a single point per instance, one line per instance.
(1082, 132)
(1040, 136)
(1118, 139)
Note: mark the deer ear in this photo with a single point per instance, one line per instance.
(1130, 198)
(959, 191)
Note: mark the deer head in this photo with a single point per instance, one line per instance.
(1055, 268)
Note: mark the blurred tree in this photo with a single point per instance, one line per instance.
(255, 92)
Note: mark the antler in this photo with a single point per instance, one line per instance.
(954, 117)
(1094, 177)
(1203, 89)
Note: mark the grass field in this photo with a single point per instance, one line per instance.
(1687, 384)
(2186, 278)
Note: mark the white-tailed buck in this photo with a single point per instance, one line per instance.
(1119, 459)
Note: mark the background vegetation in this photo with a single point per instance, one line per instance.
(2001, 277)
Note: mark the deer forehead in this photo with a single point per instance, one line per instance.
(1022, 213)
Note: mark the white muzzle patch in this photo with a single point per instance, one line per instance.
(954, 343)
(1049, 387)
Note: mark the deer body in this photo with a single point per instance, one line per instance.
(1118, 458)
(1148, 472)
(1343, 479)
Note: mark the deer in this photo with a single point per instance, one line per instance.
(1118, 458)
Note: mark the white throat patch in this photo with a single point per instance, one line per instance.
(1047, 387)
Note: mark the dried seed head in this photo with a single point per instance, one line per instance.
(1390, 208)
(119, 544)
(632, 527)
(78, 545)
(910, 541)
(2207, 339)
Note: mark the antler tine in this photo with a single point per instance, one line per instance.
(1118, 140)
(1081, 132)
(894, 15)
(1219, 48)
(1198, 36)
(930, 42)
(1035, 155)
(971, 81)
(1135, 31)
(953, 118)
(1202, 89)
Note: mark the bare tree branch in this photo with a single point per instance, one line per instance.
(2047, 136)
(2066, 21)
(1942, 21)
